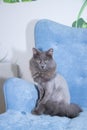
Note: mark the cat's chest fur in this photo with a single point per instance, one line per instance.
(57, 89)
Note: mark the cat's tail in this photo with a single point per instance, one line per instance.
(70, 110)
(62, 109)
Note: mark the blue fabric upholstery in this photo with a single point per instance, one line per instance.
(70, 45)
(18, 95)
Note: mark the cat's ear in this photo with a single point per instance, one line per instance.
(35, 51)
(50, 52)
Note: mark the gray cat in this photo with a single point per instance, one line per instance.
(54, 97)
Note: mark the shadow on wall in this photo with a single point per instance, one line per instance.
(30, 34)
(23, 57)
(30, 41)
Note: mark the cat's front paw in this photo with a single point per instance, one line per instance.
(35, 112)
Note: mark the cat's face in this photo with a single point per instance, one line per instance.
(42, 59)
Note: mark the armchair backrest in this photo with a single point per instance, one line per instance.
(70, 53)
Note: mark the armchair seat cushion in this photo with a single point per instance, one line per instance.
(15, 120)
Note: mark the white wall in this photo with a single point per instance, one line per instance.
(17, 26)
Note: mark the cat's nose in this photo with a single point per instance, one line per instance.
(43, 66)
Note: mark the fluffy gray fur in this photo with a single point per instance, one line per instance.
(54, 97)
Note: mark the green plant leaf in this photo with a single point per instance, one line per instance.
(81, 23)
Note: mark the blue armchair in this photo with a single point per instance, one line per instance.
(70, 53)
